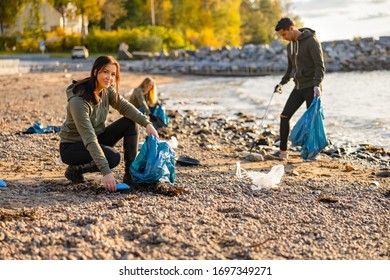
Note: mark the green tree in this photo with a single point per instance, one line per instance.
(226, 21)
(204, 22)
(189, 14)
(90, 9)
(259, 18)
(32, 27)
(137, 14)
(211, 22)
(272, 13)
(112, 10)
(9, 10)
(162, 10)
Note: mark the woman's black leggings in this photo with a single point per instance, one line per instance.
(294, 101)
(76, 153)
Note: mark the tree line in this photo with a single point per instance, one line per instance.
(214, 23)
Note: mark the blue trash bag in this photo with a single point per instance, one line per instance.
(309, 131)
(154, 163)
(159, 112)
(39, 129)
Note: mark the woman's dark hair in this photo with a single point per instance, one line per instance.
(88, 85)
(284, 24)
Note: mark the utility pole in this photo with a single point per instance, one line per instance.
(152, 11)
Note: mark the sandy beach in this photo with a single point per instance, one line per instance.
(329, 209)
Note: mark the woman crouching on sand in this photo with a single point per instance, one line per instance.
(86, 143)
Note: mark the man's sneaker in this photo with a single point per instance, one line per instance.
(277, 156)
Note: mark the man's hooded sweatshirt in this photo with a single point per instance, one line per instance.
(305, 60)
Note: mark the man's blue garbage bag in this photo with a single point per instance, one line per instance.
(39, 129)
(154, 163)
(309, 131)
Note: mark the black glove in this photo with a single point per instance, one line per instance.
(278, 88)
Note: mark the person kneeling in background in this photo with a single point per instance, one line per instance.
(144, 97)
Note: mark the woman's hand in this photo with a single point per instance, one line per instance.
(151, 130)
(109, 182)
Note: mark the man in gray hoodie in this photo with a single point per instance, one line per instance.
(306, 67)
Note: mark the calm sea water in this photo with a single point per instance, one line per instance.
(356, 104)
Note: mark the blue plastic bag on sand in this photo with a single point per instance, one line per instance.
(309, 131)
(3, 184)
(39, 129)
(154, 163)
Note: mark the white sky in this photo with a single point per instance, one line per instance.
(341, 19)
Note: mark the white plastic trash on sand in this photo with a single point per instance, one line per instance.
(173, 143)
(262, 180)
(238, 170)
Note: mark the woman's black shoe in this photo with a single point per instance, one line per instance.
(74, 174)
(127, 179)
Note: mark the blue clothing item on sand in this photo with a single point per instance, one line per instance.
(38, 128)
(3, 184)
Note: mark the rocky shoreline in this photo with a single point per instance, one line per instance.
(334, 208)
(360, 54)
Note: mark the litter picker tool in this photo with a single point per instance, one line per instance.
(262, 121)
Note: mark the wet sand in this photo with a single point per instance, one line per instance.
(327, 209)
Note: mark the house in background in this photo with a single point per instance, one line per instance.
(51, 19)
(72, 22)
